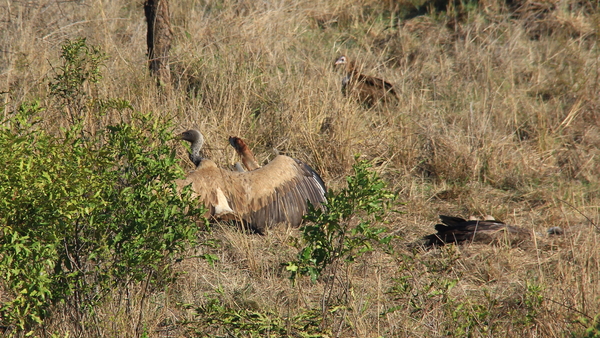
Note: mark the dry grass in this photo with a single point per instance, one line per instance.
(497, 115)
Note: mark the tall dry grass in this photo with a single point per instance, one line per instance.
(497, 115)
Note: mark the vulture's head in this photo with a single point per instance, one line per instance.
(192, 136)
(342, 60)
(235, 142)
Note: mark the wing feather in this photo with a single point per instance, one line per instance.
(275, 193)
(281, 190)
(458, 230)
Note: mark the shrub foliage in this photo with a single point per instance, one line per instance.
(332, 234)
(80, 215)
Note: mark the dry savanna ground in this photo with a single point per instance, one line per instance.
(497, 114)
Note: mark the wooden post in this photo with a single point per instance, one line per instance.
(158, 40)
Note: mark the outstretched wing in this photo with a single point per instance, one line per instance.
(279, 191)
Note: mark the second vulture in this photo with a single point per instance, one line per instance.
(458, 230)
(367, 89)
(277, 192)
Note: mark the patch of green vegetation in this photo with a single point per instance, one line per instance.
(469, 319)
(83, 215)
(215, 319)
(332, 234)
(593, 327)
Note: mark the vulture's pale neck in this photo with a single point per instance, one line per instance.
(195, 152)
(197, 141)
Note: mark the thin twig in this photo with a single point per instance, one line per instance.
(570, 308)
(581, 213)
(144, 296)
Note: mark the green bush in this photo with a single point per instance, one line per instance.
(592, 327)
(70, 86)
(334, 234)
(80, 216)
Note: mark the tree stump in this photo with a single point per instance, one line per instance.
(158, 39)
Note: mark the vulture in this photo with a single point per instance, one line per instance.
(245, 153)
(277, 192)
(367, 89)
(459, 231)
